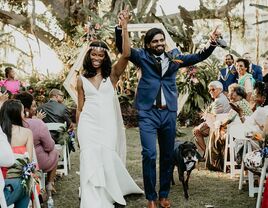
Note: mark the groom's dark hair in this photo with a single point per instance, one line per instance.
(150, 35)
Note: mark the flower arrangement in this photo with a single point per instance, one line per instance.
(25, 170)
(189, 74)
(264, 152)
(176, 59)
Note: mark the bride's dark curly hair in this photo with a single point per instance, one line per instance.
(89, 70)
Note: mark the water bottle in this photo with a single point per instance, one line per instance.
(50, 202)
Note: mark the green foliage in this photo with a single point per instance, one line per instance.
(194, 81)
(40, 87)
(63, 135)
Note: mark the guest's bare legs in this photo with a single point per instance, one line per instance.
(51, 177)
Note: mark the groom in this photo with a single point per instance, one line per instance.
(156, 101)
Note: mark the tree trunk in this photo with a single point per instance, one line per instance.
(257, 34)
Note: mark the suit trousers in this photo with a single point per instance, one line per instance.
(156, 123)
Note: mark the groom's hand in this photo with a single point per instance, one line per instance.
(215, 35)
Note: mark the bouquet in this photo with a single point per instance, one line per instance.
(25, 170)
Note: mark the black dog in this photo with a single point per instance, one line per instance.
(185, 157)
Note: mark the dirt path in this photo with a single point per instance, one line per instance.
(205, 187)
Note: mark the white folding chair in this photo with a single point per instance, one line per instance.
(262, 179)
(36, 198)
(252, 189)
(229, 148)
(63, 149)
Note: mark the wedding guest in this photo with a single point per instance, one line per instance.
(12, 86)
(259, 96)
(228, 75)
(245, 79)
(56, 111)
(47, 155)
(265, 71)
(253, 69)
(219, 105)
(21, 141)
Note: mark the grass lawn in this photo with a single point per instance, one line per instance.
(205, 187)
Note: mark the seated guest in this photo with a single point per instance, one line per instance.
(47, 155)
(253, 69)
(12, 86)
(21, 141)
(245, 79)
(259, 96)
(254, 122)
(219, 105)
(265, 71)
(228, 75)
(237, 97)
(215, 151)
(56, 111)
(6, 160)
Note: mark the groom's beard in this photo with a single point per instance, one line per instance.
(156, 52)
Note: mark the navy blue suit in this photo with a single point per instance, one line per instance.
(257, 72)
(228, 79)
(154, 122)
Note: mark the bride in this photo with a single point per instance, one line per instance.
(104, 179)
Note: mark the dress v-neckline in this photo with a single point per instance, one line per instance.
(97, 89)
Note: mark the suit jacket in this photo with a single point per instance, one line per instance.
(151, 79)
(257, 72)
(220, 105)
(228, 79)
(55, 112)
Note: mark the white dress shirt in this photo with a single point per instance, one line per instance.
(164, 65)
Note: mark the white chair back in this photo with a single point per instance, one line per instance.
(55, 126)
(63, 149)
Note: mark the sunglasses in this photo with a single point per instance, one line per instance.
(212, 90)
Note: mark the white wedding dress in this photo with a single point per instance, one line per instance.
(103, 176)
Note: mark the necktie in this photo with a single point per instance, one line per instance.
(158, 97)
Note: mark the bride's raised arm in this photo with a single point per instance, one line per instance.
(119, 67)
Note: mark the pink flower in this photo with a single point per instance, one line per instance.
(184, 70)
(194, 80)
(97, 26)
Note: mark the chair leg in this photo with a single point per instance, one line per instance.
(241, 179)
(260, 190)
(226, 153)
(36, 198)
(65, 163)
(232, 161)
(68, 157)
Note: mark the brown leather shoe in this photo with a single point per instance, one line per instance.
(164, 203)
(151, 204)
